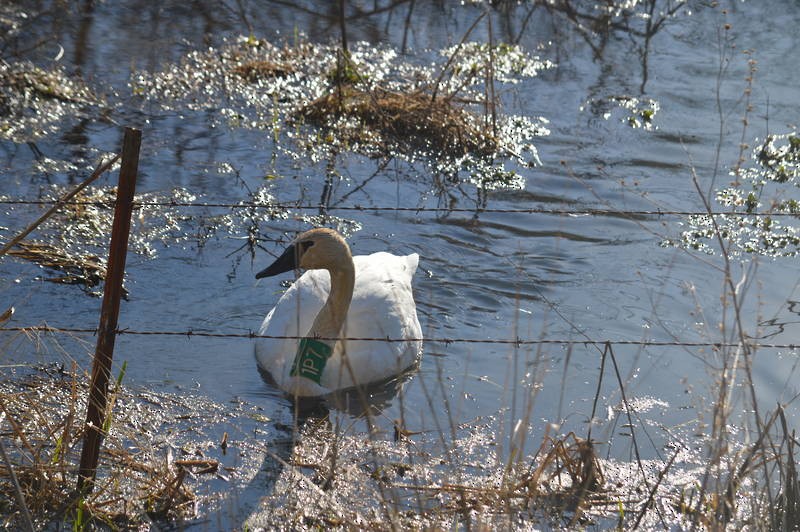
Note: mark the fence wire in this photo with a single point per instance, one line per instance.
(518, 342)
(379, 208)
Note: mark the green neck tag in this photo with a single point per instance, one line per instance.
(310, 360)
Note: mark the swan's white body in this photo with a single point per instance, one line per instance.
(382, 306)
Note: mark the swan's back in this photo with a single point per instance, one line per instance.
(382, 307)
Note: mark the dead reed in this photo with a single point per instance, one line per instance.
(138, 482)
(417, 120)
(86, 270)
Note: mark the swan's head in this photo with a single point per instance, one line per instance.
(316, 249)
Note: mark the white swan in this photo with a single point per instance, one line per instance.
(366, 296)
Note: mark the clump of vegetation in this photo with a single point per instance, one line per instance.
(447, 117)
(761, 200)
(638, 112)
(34, 100)
(368, 101)
(413, 121)
(254, 71)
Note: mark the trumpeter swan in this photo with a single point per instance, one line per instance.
(338, 298)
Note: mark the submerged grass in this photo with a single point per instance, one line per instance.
(368, 101)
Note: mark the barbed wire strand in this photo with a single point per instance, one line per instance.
(189, 333)
(378, 208)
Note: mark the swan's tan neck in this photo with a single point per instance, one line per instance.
(328, 323)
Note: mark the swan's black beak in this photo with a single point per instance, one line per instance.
(284, 263)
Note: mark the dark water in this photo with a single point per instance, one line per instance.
(501, 276)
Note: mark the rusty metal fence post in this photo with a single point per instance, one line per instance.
(109, 313)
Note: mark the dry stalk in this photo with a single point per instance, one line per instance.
(785, 514)
(86, 270)
(26, 519)
(60, 203)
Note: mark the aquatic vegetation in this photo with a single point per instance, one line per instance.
(638, 112)
(762, 202)
(470, 62)
(74, 240)
(367, 101)
(33, 101)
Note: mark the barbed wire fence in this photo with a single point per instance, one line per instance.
(638, 215)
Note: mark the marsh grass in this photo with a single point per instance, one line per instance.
(42, 434)
(85, 270)
(417, 121)
(333, 474)
(156, 466)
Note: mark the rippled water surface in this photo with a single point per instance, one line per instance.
(497, 274)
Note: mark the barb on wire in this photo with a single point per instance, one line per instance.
(189, 333)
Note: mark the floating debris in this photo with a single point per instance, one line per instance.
(86, 270)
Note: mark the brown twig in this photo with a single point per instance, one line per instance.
(60, 203)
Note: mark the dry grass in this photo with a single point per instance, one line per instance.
(255, 70)
(138, 481)
(414, 120)
(564, 479)
(87, 270)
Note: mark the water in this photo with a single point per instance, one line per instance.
(499, 276)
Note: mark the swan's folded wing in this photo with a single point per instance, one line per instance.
(383, 307)
(291, 317)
